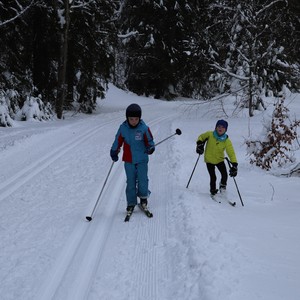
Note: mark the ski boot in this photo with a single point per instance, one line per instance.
(213, 192)
(143, 206)
(130, 209)
(222, 188)
(144, 203)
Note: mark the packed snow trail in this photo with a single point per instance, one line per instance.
(74, 270)
(10, 185)
(193, 248)
(138, 254)
(23, 181)
(73, 273)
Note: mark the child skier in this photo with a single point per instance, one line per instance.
(137, 141)
(216, 142)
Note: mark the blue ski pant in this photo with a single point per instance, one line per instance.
(137, 182)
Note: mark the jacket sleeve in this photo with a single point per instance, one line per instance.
(230, 151)
(119, 139)
(203, 137)
(148, 138)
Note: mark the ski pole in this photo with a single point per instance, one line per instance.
(178, 131)
(89, 218)
(229, 164)
(193, 170)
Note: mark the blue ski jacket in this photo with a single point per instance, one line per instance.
(135, 141)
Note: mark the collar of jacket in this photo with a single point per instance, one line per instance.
(220, 138)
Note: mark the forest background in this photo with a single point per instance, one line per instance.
(61, 55)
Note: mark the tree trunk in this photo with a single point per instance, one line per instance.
(61, 91)
(250, 95)
(251, 82)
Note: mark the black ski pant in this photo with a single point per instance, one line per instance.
(212, 173)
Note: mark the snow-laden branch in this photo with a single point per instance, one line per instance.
(18, 13)
(266, 7)
(238, 50)
(222, 7)
(127, 35)
(83, 4)
(218, 67)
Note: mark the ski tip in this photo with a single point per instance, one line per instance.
(89, 218)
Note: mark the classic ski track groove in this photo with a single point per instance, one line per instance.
(77, 264)
(10, 185)
(82, 254)
(149, 276)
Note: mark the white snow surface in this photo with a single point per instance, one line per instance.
(193, 248)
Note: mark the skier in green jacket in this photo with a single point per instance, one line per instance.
(217, 142)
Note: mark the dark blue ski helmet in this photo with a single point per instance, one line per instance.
(222, 123)
(133, 110)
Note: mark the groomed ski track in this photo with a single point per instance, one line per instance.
(193, 248)
(85, 261)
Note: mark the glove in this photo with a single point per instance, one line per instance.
(200, 147)
(233, 170)
(150, 150)
(114, 155)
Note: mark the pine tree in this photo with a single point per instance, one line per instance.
(159, 46)
(14, 70)
(91, 52)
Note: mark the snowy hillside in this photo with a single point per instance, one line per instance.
(193, 248)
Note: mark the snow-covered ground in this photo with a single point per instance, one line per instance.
(193, 248)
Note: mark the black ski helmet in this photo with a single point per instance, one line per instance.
(133, 110)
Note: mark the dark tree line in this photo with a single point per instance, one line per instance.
(67, 51)
(61, 50)
(203, 48)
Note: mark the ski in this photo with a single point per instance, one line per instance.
(213, 197)
(146, 211)
(231, 203)
(225, 197)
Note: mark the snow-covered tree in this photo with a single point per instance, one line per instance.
(85, 48)
(15, 73)
(10, 10)
(157, 39)
(35, 109)
(5, 119)
(50, 43)
(250, 47)
(91, 46)
(66, 50)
